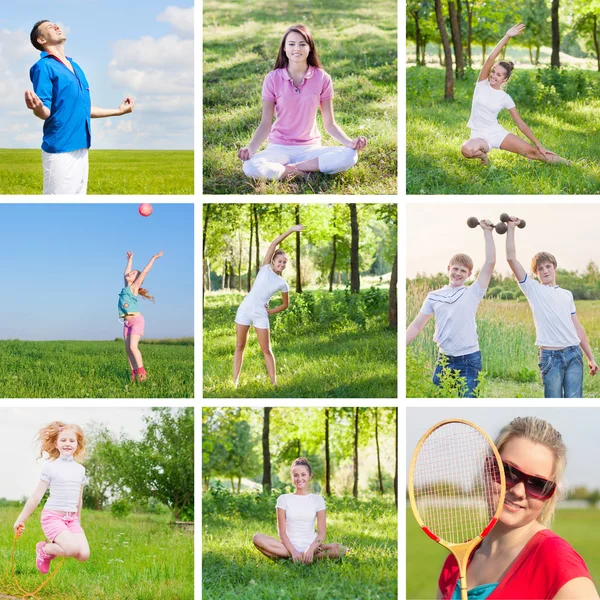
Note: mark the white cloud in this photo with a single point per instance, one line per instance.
(15, 45)
(182, 19)
(153, 81)
(168, 51)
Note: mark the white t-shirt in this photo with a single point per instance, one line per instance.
(266, 285)
(300, 515)
(65, 478)
(487, 103)
(454, 309)
(552, 309)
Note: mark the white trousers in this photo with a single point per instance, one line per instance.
(268, 164)
(65, 172)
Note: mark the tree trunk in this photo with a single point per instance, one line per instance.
(354, 269)
(396, 469)
(449, 85)
(531, 56)
(239, 283)
(555, 57)
(415, 15)
(596, 43)
(299, 447)
(440, 56)
(456, 39)
(379, 478)
(266, 479)
(423, 50)
(537, 56)
(207, 208)
(331, 274)
(298, 269)
(483, 49)
(469, 7)
(239, 487)
(257, 242)
(355, 486)
(393, 310)
(250, 256)
(226, 275)
(327, 457)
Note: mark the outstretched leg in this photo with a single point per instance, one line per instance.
(264, 339)
(330, 551)
(241, 337)
(476, 148)
(72, 545)
(513, 143)
(270, 546)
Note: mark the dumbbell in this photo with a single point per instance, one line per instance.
(500, 228)
(505, 218)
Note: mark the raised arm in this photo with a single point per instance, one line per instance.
(485, 274)
(140, 279)
(511, 252)
(31, 504)
(129, 263)
(278, 240)
(285, 540)
(491, 59)
(124, 108)
(261, 133)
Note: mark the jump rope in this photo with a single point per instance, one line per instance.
(52, 574)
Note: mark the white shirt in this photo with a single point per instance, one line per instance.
(487, 103)
(552, 308)
(454, 309)
(65, 478)
(300, 515)
(266, 285)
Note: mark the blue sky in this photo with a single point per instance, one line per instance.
(61, 267)
(142, 48)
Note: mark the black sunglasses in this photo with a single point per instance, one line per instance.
(536, 487)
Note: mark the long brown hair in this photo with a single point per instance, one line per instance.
(48, 435)
(146, 294)
(313, 60)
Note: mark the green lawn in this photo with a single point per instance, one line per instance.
(357, 46)
(435, 131)
(71, 369)
(111, 172)
(424, 558)
(337, 349)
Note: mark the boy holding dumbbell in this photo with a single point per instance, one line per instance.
(560, 336)
(454, 307)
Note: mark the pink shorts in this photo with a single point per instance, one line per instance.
(134, 326)
(54, 523)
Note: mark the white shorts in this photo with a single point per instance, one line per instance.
(494, 137)
(250, 314)
(65, 172)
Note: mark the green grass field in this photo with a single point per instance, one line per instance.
(71, 369)
(435, 131)
(507, 340)
(424, 558)
(357, 46)
(140, 557)
(111, 172)
(314, 359)
(232, 569)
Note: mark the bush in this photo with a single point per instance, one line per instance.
(120, 509)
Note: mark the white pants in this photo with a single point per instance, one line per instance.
(494, 136)
(65, 172)
(268, 164)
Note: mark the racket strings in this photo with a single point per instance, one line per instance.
(454, 487)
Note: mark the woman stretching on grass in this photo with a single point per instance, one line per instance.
(295, 89)
(488, 100)
(60, 444)
(133, 320)
(521, 557)
(296, 515)
(254, 309)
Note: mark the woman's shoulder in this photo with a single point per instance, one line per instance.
(552, 547)
(322, 73)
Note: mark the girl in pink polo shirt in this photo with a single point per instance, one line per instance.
(295, 90)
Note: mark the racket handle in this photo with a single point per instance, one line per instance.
(464, 593)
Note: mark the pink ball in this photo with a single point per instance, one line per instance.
(145, 210)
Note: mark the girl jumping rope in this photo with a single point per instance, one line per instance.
(295, 90)
(60, 444)
(488, 100)
(296, 514)
(133, 320)
(254, 309)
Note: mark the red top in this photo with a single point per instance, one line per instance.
(545, 564)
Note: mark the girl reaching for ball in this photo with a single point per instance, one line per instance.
(133, 320)
(295, 90)
(488, 100)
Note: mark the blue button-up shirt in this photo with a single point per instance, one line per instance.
(67, 95)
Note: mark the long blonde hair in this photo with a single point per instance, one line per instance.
(540, 432)
(48, 435)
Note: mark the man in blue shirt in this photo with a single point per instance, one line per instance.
(61, 98)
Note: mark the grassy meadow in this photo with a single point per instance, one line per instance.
(507, 341)
(357, 46)
(111, 172)
(232, 569)
(424, 558)
(325, 346)
(141, 557)
(81, 369)
(436, 130)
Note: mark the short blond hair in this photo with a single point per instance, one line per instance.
(463, 260)
(540, 258)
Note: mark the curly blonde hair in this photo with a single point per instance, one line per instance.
(48, 435)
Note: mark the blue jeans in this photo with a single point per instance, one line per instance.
(469, 367)
(562, 372)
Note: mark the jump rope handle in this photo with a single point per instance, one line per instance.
(19, 531)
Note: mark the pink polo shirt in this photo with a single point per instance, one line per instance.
(296, 108)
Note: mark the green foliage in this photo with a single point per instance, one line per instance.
(121, 508)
